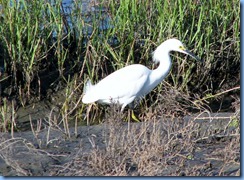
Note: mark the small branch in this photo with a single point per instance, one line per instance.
(218, 94)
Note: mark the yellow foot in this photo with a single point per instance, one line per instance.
(134, 117)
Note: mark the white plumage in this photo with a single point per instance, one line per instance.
(134, 81)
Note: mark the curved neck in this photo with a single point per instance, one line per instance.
(157, 75)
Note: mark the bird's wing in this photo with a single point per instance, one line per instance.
(124, 83)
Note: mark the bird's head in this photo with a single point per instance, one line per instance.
(176, 45)
(171, 45)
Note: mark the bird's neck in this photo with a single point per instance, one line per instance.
(162, 71)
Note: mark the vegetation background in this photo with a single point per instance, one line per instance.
(48, 51)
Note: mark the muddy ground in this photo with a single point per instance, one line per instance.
(204, 145)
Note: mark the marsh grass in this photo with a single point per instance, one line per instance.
(201, 145)
(41, 52)
(37, 40)
(167, 148)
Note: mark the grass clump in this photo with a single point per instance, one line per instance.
(45, 46)
(33, 38)
(48, 53)
(139, 26)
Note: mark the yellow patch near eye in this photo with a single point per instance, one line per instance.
(182, 48)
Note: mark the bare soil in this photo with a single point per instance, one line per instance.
(203, 145)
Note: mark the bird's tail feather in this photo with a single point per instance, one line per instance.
(88, 86)
(88, 97)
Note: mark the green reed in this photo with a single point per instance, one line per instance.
(210, 29)
(36, 33)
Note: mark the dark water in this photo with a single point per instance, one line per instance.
(90, 10)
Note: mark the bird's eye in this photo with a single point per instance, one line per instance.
(181, 47)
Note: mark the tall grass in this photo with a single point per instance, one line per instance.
(37, 40)
(33, 35)
(210, 29)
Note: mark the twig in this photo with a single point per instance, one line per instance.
(218, 94)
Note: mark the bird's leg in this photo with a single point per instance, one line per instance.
(87, 114)
(134, 116)
(131, 107)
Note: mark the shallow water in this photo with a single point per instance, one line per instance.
(90, 10)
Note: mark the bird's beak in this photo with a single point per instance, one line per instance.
(192, 55)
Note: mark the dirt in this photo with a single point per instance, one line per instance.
(202, 145)
(210, 148)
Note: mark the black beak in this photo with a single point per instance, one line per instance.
(193, 55)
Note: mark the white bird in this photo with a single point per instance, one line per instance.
(134, 81)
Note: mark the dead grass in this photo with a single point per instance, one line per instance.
(206, 144)
(159, 148)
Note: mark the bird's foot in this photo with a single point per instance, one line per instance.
(134, 117)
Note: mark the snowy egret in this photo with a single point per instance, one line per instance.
(134, 81)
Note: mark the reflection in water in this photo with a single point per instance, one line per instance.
(90, 10)
(81, 16)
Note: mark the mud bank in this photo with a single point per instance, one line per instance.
(207, 145)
